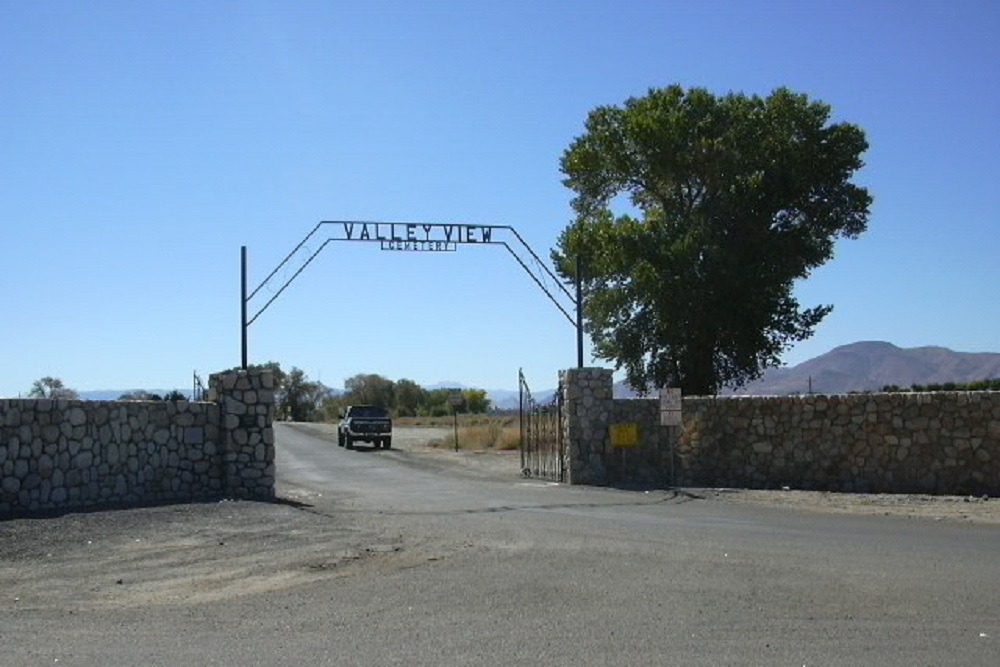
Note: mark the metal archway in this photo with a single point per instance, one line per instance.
(418, 237)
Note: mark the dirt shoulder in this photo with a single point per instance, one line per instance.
(967, 509)
(179, 554)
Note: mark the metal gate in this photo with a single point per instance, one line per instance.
(542, 448)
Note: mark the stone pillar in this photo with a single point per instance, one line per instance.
(587, 401)
(246, 412)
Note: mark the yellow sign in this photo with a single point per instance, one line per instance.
(624, 435)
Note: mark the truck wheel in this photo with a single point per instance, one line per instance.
(387, 443)
(348, 441)
(340, 439)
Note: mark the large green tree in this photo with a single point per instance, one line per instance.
(476, 401)
(409, 398)
(50, 387)
(370, 389)
(299, 397)
(733, 198)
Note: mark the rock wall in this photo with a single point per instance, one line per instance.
(61, 454)
(246, 413)
(648, 461)
(944, 443)
(585, 417)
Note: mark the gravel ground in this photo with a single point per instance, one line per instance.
(968, 509)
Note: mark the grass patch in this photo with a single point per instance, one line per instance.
(475, 432)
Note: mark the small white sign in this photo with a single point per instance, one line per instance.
(670, 398)
(670, 407)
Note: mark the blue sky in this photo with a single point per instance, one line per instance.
(142, 143)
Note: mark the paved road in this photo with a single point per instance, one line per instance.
(397, 563)
(531, 573)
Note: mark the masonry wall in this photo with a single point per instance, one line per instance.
(246, 415)
(945, 443)
(61, 454)
(586, 413)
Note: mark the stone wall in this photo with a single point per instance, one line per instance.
(946, 443)
(246, 412)
(649, 460)
(585, 415)
(61, 454)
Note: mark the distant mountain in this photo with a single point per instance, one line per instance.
(504, 399)
(867, 366)
(871, 365)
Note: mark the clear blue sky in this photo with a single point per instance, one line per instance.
(142, 143)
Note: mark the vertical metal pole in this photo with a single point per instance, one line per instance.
(520, 415)
(675, 436)
(243, 303)
(579, 316)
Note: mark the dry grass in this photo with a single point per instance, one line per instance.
(474, 431)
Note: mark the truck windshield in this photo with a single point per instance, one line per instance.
(368, 411)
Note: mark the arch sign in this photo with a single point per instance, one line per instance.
(417, 237)
(420, 237)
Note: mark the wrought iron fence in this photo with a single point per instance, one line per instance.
(542, 448)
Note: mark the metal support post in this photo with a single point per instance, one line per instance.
(243, 303)
(579, 316)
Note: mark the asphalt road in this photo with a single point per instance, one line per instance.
(398, 562)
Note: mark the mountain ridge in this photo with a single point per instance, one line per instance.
(872, 365)
(861, 366)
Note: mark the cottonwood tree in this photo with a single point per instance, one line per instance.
(50, 387)
(733, 198)
(410, 397)
(299, 397)
(476, 401)
(370, 389)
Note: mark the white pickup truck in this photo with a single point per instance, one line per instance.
(365, 423)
